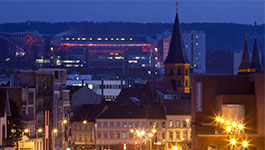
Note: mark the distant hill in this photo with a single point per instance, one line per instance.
(219, 36)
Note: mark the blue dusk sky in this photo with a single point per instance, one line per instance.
(142, 11)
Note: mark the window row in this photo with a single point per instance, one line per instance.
(118, 124)
(80, 127)
(82, 137)
(178, 135)
(179, 123)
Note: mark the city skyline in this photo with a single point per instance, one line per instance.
(243, 12)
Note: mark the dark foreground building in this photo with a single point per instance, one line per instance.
(228, 110)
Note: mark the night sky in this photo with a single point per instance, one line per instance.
(236, 11)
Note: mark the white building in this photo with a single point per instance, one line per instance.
(110, 89)
(195, 46)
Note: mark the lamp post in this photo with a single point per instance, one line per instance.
(245, 144)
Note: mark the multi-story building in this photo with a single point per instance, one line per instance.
(49, 95)
(109, 53)
(228, 110)
(25, 99)
(194, 43)
(131, 125)
(83, 126)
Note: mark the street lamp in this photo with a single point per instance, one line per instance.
(26, 130)
(222, 120)
(150, 134)
(217, 119)
(233, 142)
(227, 122)
(54, 131)
(228, 129)
(240, 127)
(85, 122)
(64, 121)
(153, 130)
(175, 148)
(131, 130)
(234, 124)
(245, 144)
(40, 130)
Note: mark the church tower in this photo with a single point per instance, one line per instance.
(177, 66)
(255, 66)
(244, 66)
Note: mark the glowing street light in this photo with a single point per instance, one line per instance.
(175, 148)
(217, 119)
(26, 130)
(64, 121)
(54, 131)
(228, 129)
(153, 130)
(234, 124)
(84, 122)
(227, 122)
(245, 144)
(40, 130)
(131, 130)
(233, 141)
(222, 120)
(187, 120)
(142, 133)
(240, 127)
(150, 134)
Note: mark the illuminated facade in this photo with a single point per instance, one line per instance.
(104, 52)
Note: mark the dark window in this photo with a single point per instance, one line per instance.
(179, 72)
(31, 98)
(56, 74)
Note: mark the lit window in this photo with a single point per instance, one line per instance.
(132, 61)
(177, 123)
(106, 39)
(117, 39)
(178, 135)
(111, 38)
(131, 39)
(73, 38)
(99, 39)
(197, 37)
(61, 38)
(83, 39)
(170, 124)
(196, 43)
(155, 49)
(143, 65)
(78, 39)
(67, 38)
(122, 39)
(90, 39)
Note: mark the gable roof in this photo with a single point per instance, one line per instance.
(133, 111)
(87, 112)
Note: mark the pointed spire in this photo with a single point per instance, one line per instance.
(176, 53)
(243, 68)
(255, 65)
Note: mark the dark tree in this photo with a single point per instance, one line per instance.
(14, 124)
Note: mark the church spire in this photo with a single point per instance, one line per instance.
(255, 65)
(176, 53)
(177, 66)
(243, 68)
